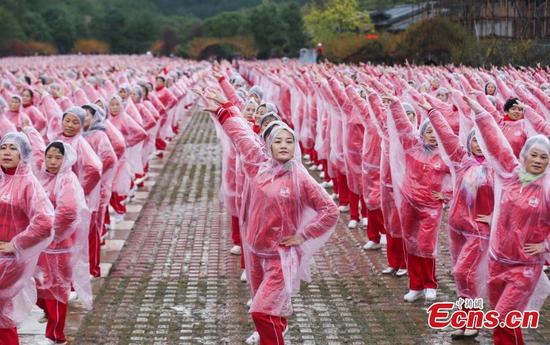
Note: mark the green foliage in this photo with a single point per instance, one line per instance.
(10, 30)
(439, 40)
(62, 25)
(35, 27)
(225, 24)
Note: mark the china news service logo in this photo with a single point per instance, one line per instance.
(469, 313)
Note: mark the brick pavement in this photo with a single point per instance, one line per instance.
(175, 282)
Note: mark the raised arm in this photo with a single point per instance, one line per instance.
(248, 147)
(503, 88)
(537, 121)
(448, 140)
(495, 147)
(230, 92)
(488, 106)
(341, 97)
(404, 127)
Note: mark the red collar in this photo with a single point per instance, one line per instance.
(159, 88)
(10, 171)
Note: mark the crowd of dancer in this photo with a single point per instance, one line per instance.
(76, 136)
(396, 146)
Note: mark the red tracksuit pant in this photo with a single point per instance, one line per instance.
(270, 328)
(236, 237)
(343, 190)
(375, 227)
(56, 312)
(94, 245)
(116, 203)
(395, 251)
(421, 272)
(354, 200)
(508, 336)
(324, 163)
(510, 288)
(8, 336)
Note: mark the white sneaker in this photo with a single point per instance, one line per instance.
(307, 157)
(320, 167)
(401, 272)
(370, 245)
(334, 196)
(413, 295)
(389, 270)
(322, 174)
(117, 218)
(365, 222)
(235, 250)
(352, 224)
(313, 168)
(343, 209)
(383, 240)
(253, 339)
(249, 303)
(431, 294)
(330, 184)
(243, 276)
(47, 341)
(73, 296)
(324, 184)
(546, 268)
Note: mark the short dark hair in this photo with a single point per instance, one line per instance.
(161, 78)
(58, 145)
(89, 108)
(510, 103)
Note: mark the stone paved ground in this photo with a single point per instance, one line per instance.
(175, 282)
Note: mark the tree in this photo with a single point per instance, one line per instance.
(168, 40)
(337, 17)
(35, 27)
(268, 30)
(438, 40)
(10, 30)
(62, 26)
(295, 29)
(340, 26)
(225, 24)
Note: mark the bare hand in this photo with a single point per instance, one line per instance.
(484, 218)
(389, 98)
(439, 195)
(425, 105)
(291, 241)
(534, 248)
(6, 248)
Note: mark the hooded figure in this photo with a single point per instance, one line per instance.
(64, 264)
(38, 119)
(472, 200)
(5, 125)
(26, 216)
(289, 216)
(95, 134)
(134, 136)
(15, 113)
(520, 227)
(420, 181)
(88, 166)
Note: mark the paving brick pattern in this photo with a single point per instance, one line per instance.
(175, 282)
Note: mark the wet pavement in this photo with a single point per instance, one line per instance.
(173, 280)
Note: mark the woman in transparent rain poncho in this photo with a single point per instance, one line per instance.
(289, 217)
(420, 178)
(95, 134)
(470, 209)
(26, 219)
(64, 264)
(88, 167)
(520, 226)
